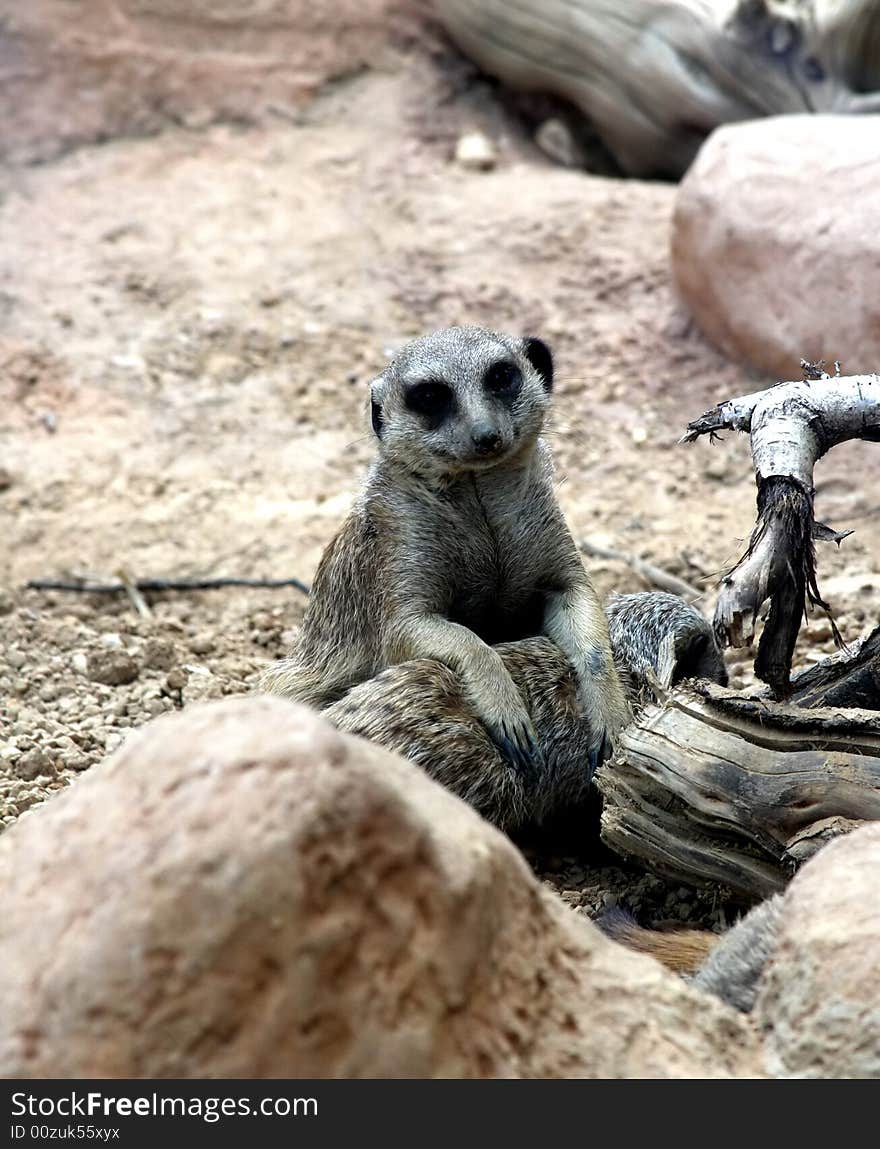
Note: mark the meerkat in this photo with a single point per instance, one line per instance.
(457, 543)
(658, 637)
(451, 618)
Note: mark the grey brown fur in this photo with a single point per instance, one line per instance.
(734, 968)
(451, 618)
(658, 635)
(730, 966)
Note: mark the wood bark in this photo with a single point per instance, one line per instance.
(713, 786)
(654, 77)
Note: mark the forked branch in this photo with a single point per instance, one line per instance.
(790, 426)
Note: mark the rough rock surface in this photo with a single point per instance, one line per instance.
(78, 73)
(242, 891)
(819, 1002)
(775, 245)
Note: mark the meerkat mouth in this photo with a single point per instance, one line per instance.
(484, 462)
(472, 461)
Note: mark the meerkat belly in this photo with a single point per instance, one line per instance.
(496, 585)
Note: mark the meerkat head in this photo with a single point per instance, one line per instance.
(461, 399)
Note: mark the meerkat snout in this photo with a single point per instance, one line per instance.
(487, 439)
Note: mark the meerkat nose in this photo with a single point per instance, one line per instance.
(486, 439)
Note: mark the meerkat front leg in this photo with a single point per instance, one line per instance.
(486, 680)
(575, 621)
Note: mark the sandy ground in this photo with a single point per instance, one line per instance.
(187, 327)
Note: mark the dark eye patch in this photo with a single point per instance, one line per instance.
(502, 378)
(430, 398)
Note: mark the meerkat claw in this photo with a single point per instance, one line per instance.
(523, 753)
(600, 752)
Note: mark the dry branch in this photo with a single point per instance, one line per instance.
(120, 586)
(849, 678)
(790, 425)
(653, 574)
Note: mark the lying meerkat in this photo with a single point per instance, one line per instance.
(452, 613)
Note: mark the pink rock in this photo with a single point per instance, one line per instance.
(242, 891)
(776, 244)
(818, 1005)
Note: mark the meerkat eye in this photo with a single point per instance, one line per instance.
(429, 398)
(502, 378)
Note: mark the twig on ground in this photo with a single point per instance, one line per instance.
(655, 575)
(135, 597)
(94, 586)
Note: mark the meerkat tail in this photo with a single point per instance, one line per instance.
(682, 951)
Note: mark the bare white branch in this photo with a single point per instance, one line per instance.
(790, 425)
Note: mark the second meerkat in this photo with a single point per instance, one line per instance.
(457, 543)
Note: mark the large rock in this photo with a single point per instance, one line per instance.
(243, 891)
(775, 243)
(77, 73)
(819, 1002)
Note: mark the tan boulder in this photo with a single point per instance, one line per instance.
(76, 73)
(243, 891)
(818, 1004)
(776, 244)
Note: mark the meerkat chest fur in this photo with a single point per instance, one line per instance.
(484, 546)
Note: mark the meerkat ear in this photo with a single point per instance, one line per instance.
(539, 355)
(376, 407)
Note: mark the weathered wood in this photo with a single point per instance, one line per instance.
(850, 678)
(712, 786)
(654, 77)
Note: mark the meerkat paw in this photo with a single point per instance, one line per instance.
(510, 728)
(519, 746)
(605, 707)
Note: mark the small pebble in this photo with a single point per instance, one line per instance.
(556, 141)
(74, 760)
(716, 469)
(819, 630)
(113, 667)
(476, 152)
(32, 763)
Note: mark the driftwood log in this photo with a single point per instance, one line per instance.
(713, 786)
(654, 77)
